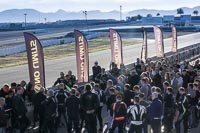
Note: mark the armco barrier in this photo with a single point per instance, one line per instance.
(22, 48)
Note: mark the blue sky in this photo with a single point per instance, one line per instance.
(103, 5)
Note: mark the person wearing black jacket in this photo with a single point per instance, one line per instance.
(96, 69)
(38, 98)
(169, 112)
(133, 79)
(186, 78)
(50, 113)
(183, 105)
(3, 117)
(20, 110)
(118, 113)
(61, 96)
(155, 112)
(73, 111)
(102, 101)
(128, 95)
(60, 80)
(90, 104)
(109, 102)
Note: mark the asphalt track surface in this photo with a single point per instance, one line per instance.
(54, 67)
(16, 37)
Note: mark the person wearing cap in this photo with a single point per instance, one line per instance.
(96, 69)
(73, 112)
(89, 105)
(38, 98)
(19, 108)
(50, 111)
(137, 114)
(155, 112)
(118, 113)
(183, 106)
(3, 117)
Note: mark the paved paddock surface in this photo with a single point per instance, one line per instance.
(54, 67)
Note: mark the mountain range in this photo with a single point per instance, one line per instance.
(17, 15)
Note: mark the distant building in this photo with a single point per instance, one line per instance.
(152, 20)
(168, 18)
(186, 18)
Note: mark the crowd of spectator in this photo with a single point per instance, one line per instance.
(149, 94)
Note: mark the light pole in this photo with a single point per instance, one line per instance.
(85, 13)
(25, 20)
(120, 13)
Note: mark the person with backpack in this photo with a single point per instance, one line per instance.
(118, 113)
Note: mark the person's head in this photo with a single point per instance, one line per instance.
(109, 83)
(190, 86)
(166, 84)
(127, 87)
(13, 85)
(2, 101)
(61, 86)
(158, 90)
(172, 75)
(111, 91)
(96, 86)
(73, 92)
(92, 84)
(75, 86)
(103, 70)
(169, 90)
(181, 90)
(178, 75)
(20, 90)
(120, 79)
(62, 74)
(195, 86)
(153, 88)
(96, 63)
(118, 98)
(88, 87)
(184, 72)
(136, 88)
(136, 99)
(154, 95)
(69, 72)
(23, 83)
(117, 89)
(142, 96)
(50, 93)
(5, 88)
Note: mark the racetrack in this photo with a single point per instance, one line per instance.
(54, 67)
